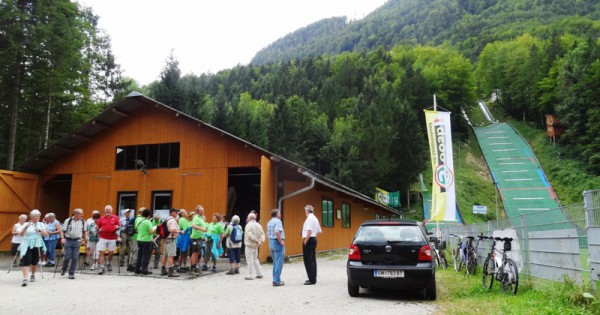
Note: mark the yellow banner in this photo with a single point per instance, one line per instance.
(443, 201)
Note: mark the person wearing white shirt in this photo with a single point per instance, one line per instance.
(310, 229)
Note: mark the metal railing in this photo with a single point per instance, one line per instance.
(551, 250)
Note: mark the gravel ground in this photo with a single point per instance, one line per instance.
(212, 292)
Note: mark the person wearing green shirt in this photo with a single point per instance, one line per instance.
(182, 254)
(156, 241)
(214, 237)
(197, 238)
(144, 231)
(133, 253)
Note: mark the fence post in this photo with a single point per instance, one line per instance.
(590, 224)
(525, 250)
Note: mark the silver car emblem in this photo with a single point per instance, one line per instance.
(388, 248)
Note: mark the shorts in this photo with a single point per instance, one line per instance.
(234, 255)
(93, 252)
(91, 244)
(104, 244)
(13, 248)
(196, 245)
(32, 257)
(170, 247)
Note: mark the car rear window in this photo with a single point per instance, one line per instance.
(392, 233)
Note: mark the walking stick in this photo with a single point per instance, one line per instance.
(15, 259)
(41, 266)
(61, 253)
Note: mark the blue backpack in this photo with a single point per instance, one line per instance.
(236, 234)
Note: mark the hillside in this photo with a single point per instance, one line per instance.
(465, 24)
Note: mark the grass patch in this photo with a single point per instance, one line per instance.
(458, 294)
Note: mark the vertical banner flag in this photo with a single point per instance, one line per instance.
(443, 203)
(391, 199)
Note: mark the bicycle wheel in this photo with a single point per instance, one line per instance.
(510, 277)
(457, 260)
(488, 273)
(443, 261)
(471, 266)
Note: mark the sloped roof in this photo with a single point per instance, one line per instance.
(134, 100)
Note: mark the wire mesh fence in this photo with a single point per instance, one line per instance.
(568, 246)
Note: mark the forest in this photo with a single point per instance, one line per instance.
(353, 113)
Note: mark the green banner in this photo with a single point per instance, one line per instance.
(390, 199)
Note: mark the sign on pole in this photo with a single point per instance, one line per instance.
(479, 209)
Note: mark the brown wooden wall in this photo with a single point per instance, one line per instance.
(205, 156)
(18, 193)
(332, 237)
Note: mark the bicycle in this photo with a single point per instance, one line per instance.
(439, 256)
(502, 268)
(458, 253)
(470, 256)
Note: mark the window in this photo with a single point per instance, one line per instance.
(327, 217)
(161, 203)
(163, 155)
(126, 200)
(345, 215)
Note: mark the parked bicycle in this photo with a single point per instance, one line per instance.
(439, 256)
(458, 253)
(498, 266)
(470, 254)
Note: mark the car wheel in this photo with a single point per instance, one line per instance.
(353, 289)
(430, 292)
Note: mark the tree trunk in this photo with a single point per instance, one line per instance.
(46, 132)
(14, 112)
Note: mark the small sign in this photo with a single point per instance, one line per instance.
(479, 209)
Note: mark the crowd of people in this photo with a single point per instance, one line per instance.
(136, 236)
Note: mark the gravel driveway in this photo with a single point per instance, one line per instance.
(213, 293)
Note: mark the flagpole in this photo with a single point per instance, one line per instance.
(434, 103)
(437, 222)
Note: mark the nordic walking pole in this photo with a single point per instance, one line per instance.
(58, 261)
(41, 266)
(15, 259)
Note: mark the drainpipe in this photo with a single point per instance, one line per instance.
(297, 192)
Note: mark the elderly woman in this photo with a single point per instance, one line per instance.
(234, 247)
(32, 245)
(17, 238)
(214, 236)
(54, 233)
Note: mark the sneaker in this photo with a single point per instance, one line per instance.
(278, 284)
(43, 263)
(248, 278)
(109, 267)
(62, 272)
(259, 277)
(230, 272)
(237, 270)
(50, 264)
(101, 271)
(94, 267)
(24, 284)
(71, 277)
(32, 279)
(204, 267)
(147, 272)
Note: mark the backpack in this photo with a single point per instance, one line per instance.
(236, 234)
(129, 228)
(162, 230)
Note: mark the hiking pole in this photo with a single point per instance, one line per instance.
(15, 259)
(61, 253)
(41, 265)
(119, 257)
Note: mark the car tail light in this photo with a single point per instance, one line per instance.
(354, 253)
(425, 253)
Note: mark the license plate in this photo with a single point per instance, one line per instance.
(389, 273)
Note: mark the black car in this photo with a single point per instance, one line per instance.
(393, 254)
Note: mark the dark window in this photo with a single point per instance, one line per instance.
(345, 215)
(127, 200)
(327, 212)
(161, 202)
(164, 155)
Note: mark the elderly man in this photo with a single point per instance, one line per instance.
(73, 231)
(169, 245)
(254, 236)
(199, 228)
(125, 238)
(310, 229)
(276, 245)
(108, 226)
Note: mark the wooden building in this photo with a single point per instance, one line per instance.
(140, 152)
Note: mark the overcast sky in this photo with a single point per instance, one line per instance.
(206, 35)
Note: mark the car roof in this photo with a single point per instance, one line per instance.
(390, 222)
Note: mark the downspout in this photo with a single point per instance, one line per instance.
(297, 192)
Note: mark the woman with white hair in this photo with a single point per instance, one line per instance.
(32, 245)
(234, 235)
(17, 238)
(54, 233)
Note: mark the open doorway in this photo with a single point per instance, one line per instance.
(243, 194)
(56, 196)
